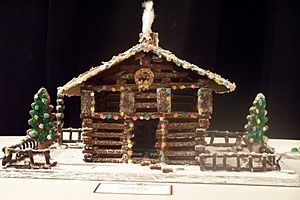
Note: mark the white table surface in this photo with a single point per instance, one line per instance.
(16, 188)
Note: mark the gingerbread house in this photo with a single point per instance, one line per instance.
(145, 104)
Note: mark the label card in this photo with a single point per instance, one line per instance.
(134, 188)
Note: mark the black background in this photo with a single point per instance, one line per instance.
(255, 44)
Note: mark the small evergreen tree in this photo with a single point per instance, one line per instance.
(42, 118)
(256, 126)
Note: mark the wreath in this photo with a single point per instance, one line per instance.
(144, 77)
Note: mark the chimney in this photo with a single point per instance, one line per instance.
(149, 38)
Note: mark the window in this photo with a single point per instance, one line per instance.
(184, 100)
(106, 101)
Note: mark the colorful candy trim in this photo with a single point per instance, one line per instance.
(72, 88)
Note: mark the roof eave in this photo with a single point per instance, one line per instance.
(72, 88)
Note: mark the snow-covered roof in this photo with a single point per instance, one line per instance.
(72, 88)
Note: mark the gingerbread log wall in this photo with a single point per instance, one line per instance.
(146, 109)
(104, 143)
(104, 137)
(177, 134)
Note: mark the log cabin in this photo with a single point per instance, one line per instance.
(145, 104)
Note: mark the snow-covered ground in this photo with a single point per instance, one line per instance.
(71, 166)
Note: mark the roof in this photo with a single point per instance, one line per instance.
(72, 88)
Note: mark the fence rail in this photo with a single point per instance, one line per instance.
(232, 160)
(70, 132)
(243, 162)
(222, 134)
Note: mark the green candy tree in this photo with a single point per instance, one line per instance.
(42, 118)
(256, 126)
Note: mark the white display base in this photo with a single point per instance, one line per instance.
(71, 166)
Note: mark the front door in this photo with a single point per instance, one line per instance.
(144, 139)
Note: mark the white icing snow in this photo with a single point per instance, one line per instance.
(71, 166)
